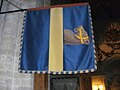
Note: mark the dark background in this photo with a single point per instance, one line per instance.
(101, 9)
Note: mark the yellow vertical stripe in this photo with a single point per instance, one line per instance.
(56, 40)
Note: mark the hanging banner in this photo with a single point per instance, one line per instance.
(58, 40)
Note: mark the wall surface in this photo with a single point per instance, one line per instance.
(10, 28)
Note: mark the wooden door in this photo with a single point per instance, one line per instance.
(40, 82)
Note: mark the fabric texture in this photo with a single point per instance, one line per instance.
(78, 41)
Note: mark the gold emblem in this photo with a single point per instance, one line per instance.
(82, 35)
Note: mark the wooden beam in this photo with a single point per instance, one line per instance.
(40, 82)
(85, 82)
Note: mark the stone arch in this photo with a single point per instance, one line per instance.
(112, 65)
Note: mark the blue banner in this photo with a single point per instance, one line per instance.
(78, 41)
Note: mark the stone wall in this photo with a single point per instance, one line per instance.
(10, 28)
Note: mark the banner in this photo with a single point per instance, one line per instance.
(58, 40)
